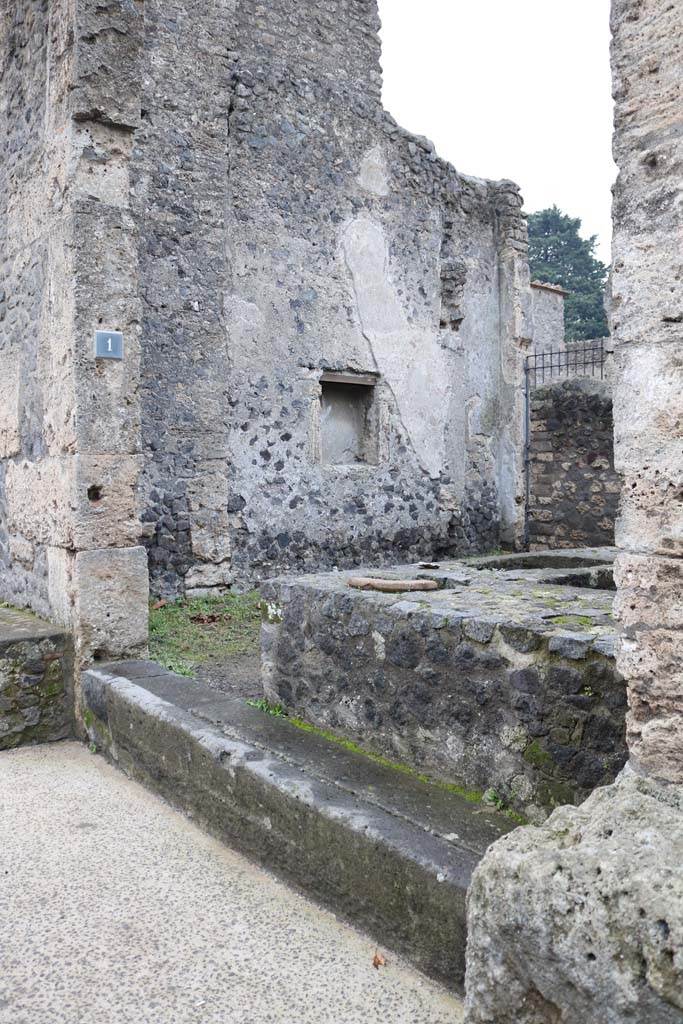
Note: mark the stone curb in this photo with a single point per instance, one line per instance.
(404, 886)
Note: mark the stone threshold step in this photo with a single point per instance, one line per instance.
(388, 852)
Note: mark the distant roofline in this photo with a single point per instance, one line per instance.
(550, 287)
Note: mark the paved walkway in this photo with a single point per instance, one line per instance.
(115, 909)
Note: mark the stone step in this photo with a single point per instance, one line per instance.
(385, 850)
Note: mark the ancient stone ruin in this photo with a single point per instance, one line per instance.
(253, 332)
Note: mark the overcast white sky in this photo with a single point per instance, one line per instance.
(509, 89)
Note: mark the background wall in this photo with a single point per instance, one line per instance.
(292, 228)
(574, 487)
(547, 308)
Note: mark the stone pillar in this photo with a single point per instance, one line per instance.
(515, 342)
(582, 918)
(107, 567)
(647, 321)
(70, 439)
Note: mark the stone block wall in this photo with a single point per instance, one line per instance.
(70, 424)
(36, 681)
(574, 489)
(647, 323)
(488, 683)
(219, 182)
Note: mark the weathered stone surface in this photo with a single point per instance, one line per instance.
(353, 248)
(108, 43)
(582, 918)
(574, 489)
(392, 852)
(111, 595)
(77, 502)
(502, 679)
(70, 432)
(547, 310)
(36, 680)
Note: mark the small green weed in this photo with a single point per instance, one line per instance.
(276, 710)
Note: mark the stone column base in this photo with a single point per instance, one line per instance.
(581, 919)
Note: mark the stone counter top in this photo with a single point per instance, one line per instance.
(503, 679)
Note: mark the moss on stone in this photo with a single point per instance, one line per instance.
(585, 621)
(466, 793)
(535, 755)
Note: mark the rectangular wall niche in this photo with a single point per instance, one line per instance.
(348, 420)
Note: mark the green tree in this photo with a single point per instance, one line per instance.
(558, 255)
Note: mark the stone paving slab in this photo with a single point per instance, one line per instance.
(17, 624)
(117, 909)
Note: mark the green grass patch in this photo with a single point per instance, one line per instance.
(185, 634)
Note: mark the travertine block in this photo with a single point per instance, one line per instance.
(648, 425)
(56, 353)
(108, 73)
(38, 496)
(79, 502)
(112, 594)
(60, 585)
(10, 441)
(651, 512)
(106, 296)
(105, 500)
(656, 745)
(581, 920)
(653, 665)
(649, 592)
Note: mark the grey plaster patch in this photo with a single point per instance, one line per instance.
(373, 172)
(414, 365)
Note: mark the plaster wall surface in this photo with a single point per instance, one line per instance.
(547, 310)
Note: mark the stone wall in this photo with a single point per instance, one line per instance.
(500, 680)
(36, 680)
(547, 310)
(574, 489)
(219, 182)
(31, 237)
(292, 229)
(69, 424)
